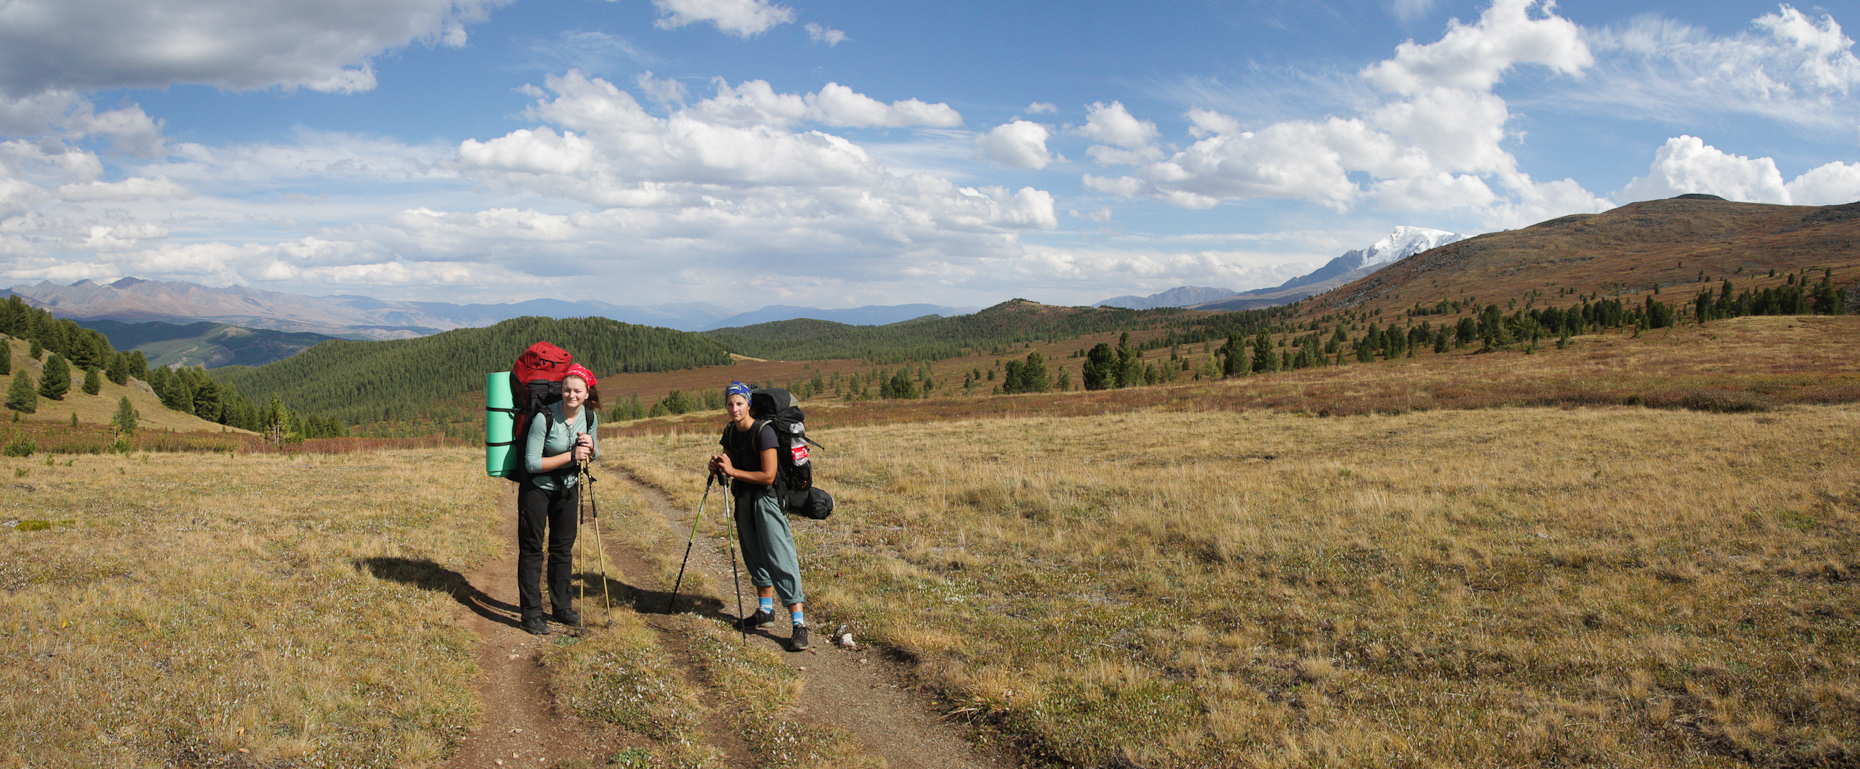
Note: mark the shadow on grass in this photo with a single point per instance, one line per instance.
(427, 575)
(646, 601)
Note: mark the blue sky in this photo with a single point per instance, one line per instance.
(748, 152)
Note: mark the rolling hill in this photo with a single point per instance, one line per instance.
(1677, 246)
(385, 381)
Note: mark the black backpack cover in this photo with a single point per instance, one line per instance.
(794, 468)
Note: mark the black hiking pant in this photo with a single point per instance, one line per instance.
(541, 511)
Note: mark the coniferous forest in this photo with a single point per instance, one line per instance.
(392, 381)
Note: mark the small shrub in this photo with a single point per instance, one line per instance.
(22, 445)
(1725, 401)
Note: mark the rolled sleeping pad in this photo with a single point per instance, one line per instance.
(500, 423)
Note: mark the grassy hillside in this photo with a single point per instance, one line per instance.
(1676, 246)
(356, 381)
(94, 411)
(204, 344)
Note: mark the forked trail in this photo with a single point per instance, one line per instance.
(863, 693)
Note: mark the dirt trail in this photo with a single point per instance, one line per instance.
(856, 690)
(521, 727)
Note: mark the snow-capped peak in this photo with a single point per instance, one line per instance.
(1403, 242)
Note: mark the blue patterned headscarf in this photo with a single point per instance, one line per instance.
(736, 388)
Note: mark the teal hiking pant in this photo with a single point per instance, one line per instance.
(768, 545)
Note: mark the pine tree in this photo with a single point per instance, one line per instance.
(117, 370)
(57, 378)
(6, 358)
(22, 396)
(1265, 356)
(92, 382)
(37, 350)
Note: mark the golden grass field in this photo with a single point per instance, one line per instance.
(180, 609)
(1613, 586)
(1209, 574)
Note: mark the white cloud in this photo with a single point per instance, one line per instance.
(1686, 164)
(742, 18)
(820, 34)
(755, 103)
(137, 188)
(83, 45)
(1019, 144)
(1477, 56)
(1041, 107)
(1831, 184)
(1534, 202)
(1788, 68)
(1112, 124)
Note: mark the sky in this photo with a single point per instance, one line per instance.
(840, 154)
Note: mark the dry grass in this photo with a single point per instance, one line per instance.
(277, 610)
(1760, 361)
(1610, 587)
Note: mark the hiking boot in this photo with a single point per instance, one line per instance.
(568, 616)
(760, 619)
(798, 642)
(535, 625)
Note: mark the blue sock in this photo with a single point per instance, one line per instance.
(798, 619)
(766, 604)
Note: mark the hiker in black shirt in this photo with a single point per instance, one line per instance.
(749, 461)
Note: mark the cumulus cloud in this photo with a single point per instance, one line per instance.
(742, 18)
(820, 34)
(1113, 124)
(1832, 184)
(1020, 144)
(1477, 56)
(1686, 164)
(1041, 107)
(1434, 141)
(84, 45)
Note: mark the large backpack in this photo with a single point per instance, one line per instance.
(535, 385)
(794, 468)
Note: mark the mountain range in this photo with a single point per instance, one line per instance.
(132, 300)
(1400, 243)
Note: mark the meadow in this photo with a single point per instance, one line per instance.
(1616, 586)
(1630, 552)
(177, 609)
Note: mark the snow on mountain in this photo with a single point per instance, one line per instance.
(1404, 242)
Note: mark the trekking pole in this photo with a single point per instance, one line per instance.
(600, 546)
(575, 561)
(736, 580)
(672, 605)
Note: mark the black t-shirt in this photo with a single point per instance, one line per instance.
(745, 455)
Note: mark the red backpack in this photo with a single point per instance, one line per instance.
(535, 385)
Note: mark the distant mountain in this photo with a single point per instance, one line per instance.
(1401, 243)
(1180, 296)
(870, 315)
(210, 345)
(133, 300)
(136, 300)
